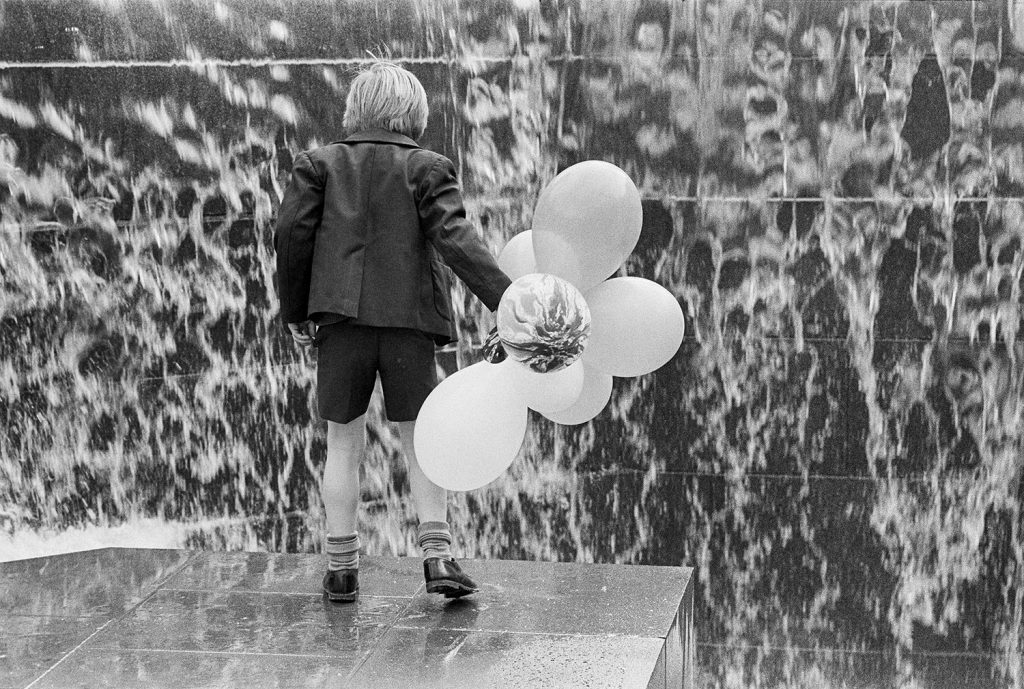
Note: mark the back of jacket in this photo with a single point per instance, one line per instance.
(363, 229)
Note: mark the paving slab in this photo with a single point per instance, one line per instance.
(31, 644)
(472, 659)
(273, 623)
(559, 598)
(130, 669)
(92, 583)
(294, 573)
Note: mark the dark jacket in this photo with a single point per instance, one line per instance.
(361, 232)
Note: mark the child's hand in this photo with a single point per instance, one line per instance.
(303, 332)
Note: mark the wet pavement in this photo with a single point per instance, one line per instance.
(171, 618)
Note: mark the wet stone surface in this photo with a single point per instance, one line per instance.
(234, 619)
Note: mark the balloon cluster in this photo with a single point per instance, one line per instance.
(567, 327)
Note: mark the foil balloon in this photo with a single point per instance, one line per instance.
(543, 322)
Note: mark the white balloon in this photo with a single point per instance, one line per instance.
(570, 266)
(593, 397)
(470, 428)
(586, 223)
(636, 326)
(516, 259)
(547, 392)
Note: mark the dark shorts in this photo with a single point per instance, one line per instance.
(349, 357)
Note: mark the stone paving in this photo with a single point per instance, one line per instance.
(130, 617)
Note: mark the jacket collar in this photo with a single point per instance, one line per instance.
(380, 136)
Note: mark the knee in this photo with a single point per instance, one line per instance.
(350, 433)
(406, 429)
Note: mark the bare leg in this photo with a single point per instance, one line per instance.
(346, 443)
(429, 499)
(444, 576)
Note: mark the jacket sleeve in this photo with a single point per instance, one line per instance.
(295, 237)
(443, 219)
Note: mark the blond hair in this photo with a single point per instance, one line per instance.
(386, 96)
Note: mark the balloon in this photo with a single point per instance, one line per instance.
(597, 388)
(547, 392)
(470, 428)
(586, 223)
(516, 259)
(543, 322)
(637, 326)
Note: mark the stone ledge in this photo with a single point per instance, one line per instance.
(180, 618)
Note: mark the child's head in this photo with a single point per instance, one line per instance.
(386, 96)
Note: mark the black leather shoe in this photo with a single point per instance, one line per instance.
(444, 576)
(342, 584)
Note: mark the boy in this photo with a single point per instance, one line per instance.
(362, 229)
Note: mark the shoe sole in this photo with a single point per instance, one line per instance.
(342, 597)
(450, 589)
